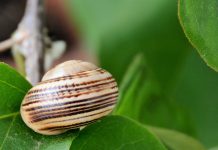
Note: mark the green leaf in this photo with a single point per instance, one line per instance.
(197, 92)
(14, 134)
(118, 29)
(199, 21)
(116, 133)
(175, 140)
(13, 88)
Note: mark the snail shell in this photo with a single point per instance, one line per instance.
(71, 95)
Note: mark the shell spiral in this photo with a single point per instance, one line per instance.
(71, 95)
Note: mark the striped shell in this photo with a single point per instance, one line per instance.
(71, 95)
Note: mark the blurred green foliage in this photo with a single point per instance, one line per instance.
(174, 89)
(141, 99)
(118, 29)
(174, 140)
(197, 92)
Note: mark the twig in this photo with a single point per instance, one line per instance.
(32, 47)
(5, 45)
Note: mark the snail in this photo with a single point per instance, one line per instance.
(71, 95)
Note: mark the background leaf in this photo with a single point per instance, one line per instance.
(197, 92)
(214, 148)
(175, 140)
(116, 133)
(129, 105)
(141, 99)
(199, 19)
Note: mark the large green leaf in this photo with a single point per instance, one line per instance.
(118, 29)
(14, 134)
(199, 19)
(116, 133)
(197, 92)
(13, 87)
(175, 140)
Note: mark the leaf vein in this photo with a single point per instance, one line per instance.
(6, 136)
(22, 91)
(9, 115)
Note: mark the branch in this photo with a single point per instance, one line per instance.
(5, 45)
(32, 46)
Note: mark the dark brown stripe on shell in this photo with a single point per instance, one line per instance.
(62, 97)
(71, 110)
(59, 92)
(81, 100)
(65, 120)
(73, 76)
(35, 92)
(75, 111)
(36, 110)
(72, 126)
(69, 113)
